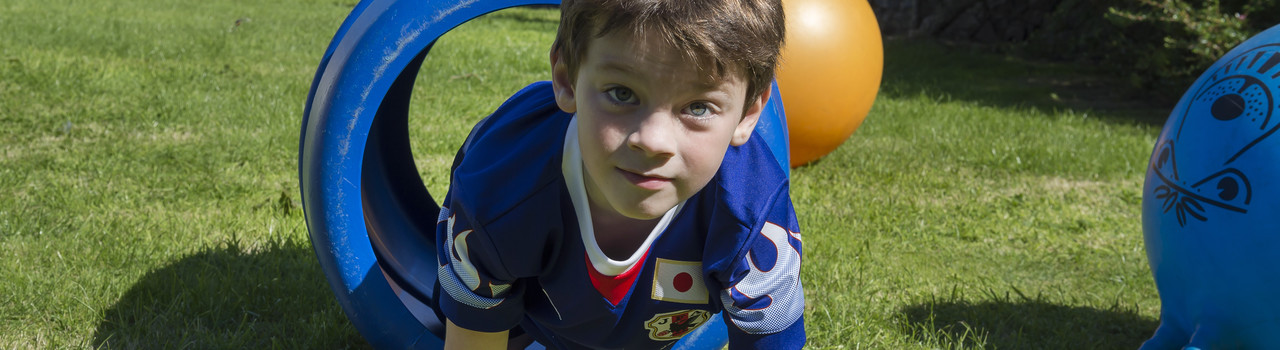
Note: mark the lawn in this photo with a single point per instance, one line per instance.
(149, 191)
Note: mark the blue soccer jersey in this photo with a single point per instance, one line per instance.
(517, 246)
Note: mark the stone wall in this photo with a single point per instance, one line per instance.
(978, 21)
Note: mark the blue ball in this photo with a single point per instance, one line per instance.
(1211, 206)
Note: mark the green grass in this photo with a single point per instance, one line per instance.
(975, 209)
(148, 185)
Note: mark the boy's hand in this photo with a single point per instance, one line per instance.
(458, 338)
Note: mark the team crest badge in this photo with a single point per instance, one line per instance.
(673, 325)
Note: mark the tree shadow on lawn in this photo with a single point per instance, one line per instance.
(224, 298)
(1030, 324)
(918, 66)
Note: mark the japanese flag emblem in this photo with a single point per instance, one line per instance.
(679, 281)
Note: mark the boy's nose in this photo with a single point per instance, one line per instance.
(654, 134)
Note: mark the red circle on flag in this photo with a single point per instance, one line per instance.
(683, 281)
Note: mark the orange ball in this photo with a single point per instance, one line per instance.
(829, 73)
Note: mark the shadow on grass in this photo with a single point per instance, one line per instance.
(223, 298)
(913, 67)
(1029, 324)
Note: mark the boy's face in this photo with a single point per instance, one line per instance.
(652, 128)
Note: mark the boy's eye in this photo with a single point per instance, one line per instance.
(621, 95)
(698, 109)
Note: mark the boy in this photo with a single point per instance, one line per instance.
(625, 203)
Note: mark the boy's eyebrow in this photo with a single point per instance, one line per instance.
(614, 65)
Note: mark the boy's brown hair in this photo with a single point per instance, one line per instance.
(722, 36)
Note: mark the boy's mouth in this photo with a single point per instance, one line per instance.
(649, 182)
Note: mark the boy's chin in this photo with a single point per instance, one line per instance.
(648, 212)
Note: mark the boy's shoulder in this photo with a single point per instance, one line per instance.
(749, 192)
(750, 181)
(512, 155)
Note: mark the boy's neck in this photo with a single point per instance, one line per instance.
(619, 236)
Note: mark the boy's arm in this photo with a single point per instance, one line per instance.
(477, 292)
(764, 300)
(458, 338)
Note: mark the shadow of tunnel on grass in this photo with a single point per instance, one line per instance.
(1005, 80)
(1029, 324)
(225, 298)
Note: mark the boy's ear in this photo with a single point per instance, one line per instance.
(749, 119)
(561, 84)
